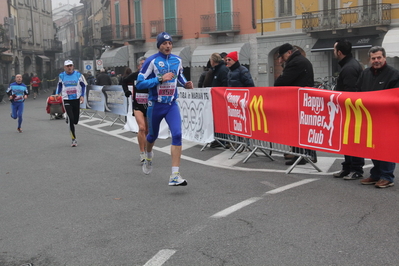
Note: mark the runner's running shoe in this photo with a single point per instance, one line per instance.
(74, 143)
(147, 166)
(142, 157)
(176, 180)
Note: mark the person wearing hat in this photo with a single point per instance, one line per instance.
(298, 71)
(71, 87)
(238, 75)
(160, 74)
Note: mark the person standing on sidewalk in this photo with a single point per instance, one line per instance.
(298, 71)
(140, 103)
(379, 76)
(352, 167)
(17, 92)
(160, 74)
(72, 87)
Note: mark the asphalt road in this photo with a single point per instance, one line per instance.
(92, 205)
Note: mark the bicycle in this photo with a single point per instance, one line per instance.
(326, 83)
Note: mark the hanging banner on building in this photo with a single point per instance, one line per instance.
(196, 114)
(363, 124)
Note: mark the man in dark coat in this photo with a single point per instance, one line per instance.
(238, 75)
(103, 78)
(352, 167)
(379, 76)
(298, 71)
(220, 71)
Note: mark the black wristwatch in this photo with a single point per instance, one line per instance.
(160, 79)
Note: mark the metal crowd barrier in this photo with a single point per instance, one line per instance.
(239, 144)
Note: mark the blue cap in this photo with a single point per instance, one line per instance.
(163, 37)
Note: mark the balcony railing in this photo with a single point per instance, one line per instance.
(112, 33)
(228, 22)
(134, 32)
(54, 46)
(346, 18)
(173, 26)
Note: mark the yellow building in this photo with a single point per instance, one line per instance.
(314, 26)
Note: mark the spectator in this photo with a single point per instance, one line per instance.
(103, 78)
(380, 76)
(352, 167)
(238, 75)
(127, 72)
(298, 71)
(114, 79)
(90, 79)
(220, 71)
(205, 79)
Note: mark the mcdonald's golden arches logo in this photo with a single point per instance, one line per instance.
(256, 109)
(357, 109)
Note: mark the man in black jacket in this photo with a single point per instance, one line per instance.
(379, 76)
(238, 75)
(298, 71)
(352, 167)
(220, 71)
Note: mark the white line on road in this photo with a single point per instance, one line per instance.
(161, 257)
(296, 184)
(236, 207)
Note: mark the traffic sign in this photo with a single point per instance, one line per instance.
(99, 64)
(87, 65)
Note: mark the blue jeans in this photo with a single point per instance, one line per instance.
(17, 109)
(383, 170)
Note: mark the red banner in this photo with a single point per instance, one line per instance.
(363, 124)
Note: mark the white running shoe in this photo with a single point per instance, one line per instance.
(176, 180)
(147, 166)
(74, 143)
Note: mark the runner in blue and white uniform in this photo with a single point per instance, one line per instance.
(72, 87)
(17, 92)
(160, 74)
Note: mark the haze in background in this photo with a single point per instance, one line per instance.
(56, 3)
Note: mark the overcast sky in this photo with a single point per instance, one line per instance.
(55, 3)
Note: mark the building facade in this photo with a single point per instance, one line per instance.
(314, 26)
(29, 42)
(128, 30)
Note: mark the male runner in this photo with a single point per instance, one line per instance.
(71, 86)
(160, 74)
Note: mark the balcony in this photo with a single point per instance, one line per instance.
(347, 18)
(171, 26)
(112, 34)
(4, 42)
(52, 46)
(134, 32)
(220, 23)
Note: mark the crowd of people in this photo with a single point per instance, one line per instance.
(154, 92)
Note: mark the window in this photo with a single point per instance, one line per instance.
(118, 27)
(137, 19)
(285, 8)
(223, 15)
(170, 16)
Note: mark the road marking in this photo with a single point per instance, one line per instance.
(161, 257)
(296, 184)
(235, 207)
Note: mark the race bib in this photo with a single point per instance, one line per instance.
(71, 91)
(166, 90)
(142, 98)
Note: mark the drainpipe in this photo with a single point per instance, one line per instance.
(261, 16)
(253, 15)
